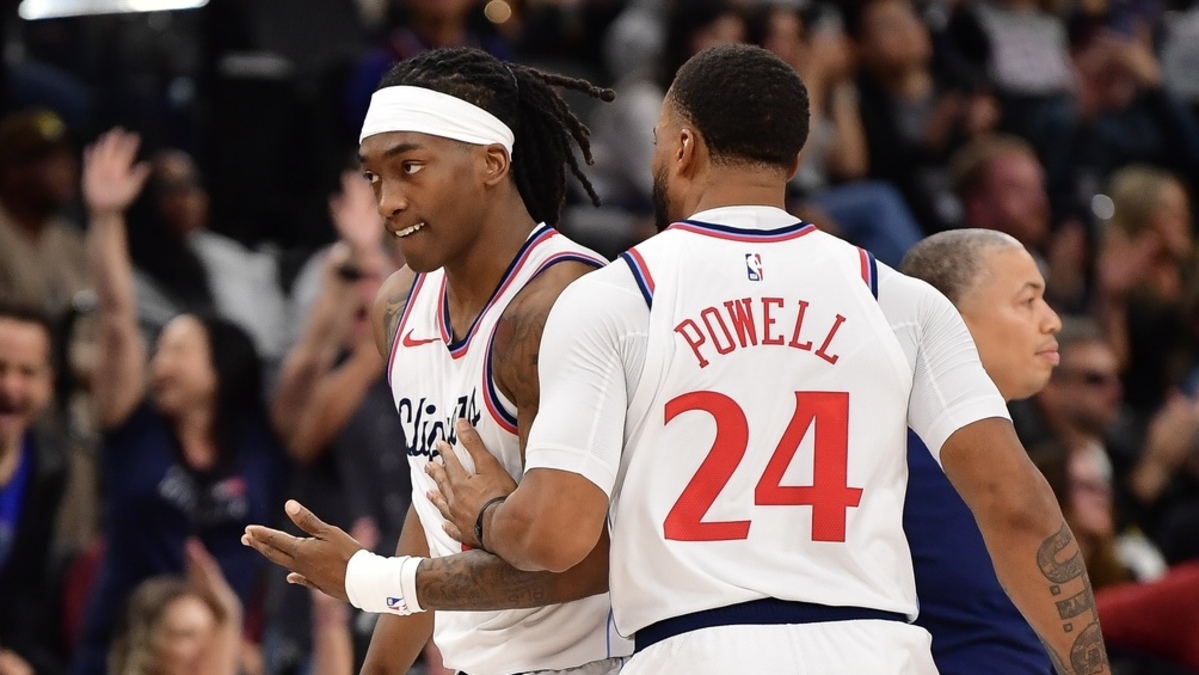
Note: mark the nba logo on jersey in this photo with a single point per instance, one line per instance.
(753, 266)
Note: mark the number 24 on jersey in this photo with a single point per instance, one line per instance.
(829, 495)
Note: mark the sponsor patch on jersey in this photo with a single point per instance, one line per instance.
(753, 266)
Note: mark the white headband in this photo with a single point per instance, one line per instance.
(431, 112)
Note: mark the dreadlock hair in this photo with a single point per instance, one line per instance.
(748, 104)
(523, 98)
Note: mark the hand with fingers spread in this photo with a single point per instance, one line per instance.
(112, 178)
(318, 562)
(462, 495)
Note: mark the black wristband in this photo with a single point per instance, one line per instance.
(479, 521)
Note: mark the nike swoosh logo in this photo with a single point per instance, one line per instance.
(409, 342)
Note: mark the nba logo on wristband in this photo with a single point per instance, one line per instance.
(397, 605)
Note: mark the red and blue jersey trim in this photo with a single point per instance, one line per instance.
(459, 349)
(491, 396)
(730, 233)
(645, 280)
(417, 282)
(569, 256)
(869, 271)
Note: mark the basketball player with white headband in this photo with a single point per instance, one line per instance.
(468, 158)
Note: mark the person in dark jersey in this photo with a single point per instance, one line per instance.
(995, 284)
(187, 449)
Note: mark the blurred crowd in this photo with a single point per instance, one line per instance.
(188, 255)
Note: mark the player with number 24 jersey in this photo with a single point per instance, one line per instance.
(770, 377)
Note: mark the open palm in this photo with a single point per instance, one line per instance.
(111, 178)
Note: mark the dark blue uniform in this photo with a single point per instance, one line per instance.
(975, 627)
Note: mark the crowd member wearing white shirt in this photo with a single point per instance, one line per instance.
(731, 401)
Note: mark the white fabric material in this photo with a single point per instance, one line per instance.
(906, 360)
(433, 386)
(832, 648)
(431, 112)
(382, 585)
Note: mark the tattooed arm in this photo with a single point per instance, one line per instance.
(1036, 556)
(479, 580)
(389, 306)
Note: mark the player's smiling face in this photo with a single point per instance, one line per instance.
(430, 192)
(1011, 323)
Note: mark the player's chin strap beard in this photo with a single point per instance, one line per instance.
(421, 110)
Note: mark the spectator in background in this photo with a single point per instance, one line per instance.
(421, 25)
(33, 471)
(1124, 115)
(1081, 410)
(914, 117)
(41, 254)
(1141, 268)
(1022, 50)
(180, 265)
(180, 626)
(835, 159)
(1001, 186)
(622, 137)
(187, 451)
(1148, 612)
(334, 411)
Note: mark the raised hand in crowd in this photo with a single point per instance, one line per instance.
(1172, 438)
(224, 653)
(112, 179)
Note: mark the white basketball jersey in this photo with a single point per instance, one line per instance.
(436, 380)
(765, 441)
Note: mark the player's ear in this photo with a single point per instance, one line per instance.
(496, 164)
(689, 150)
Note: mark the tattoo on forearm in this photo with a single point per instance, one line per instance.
(1064, 571)
(479, 581)
(1076, 611)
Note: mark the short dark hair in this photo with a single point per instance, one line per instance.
(951, 261)
(523, 98)
(20, 312)
(748, 104)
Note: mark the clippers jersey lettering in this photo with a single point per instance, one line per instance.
(764, 442)
(435, 380)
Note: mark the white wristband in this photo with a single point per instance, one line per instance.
(383, 585)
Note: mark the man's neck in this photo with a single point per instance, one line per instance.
(738, 186)
(471, 280)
